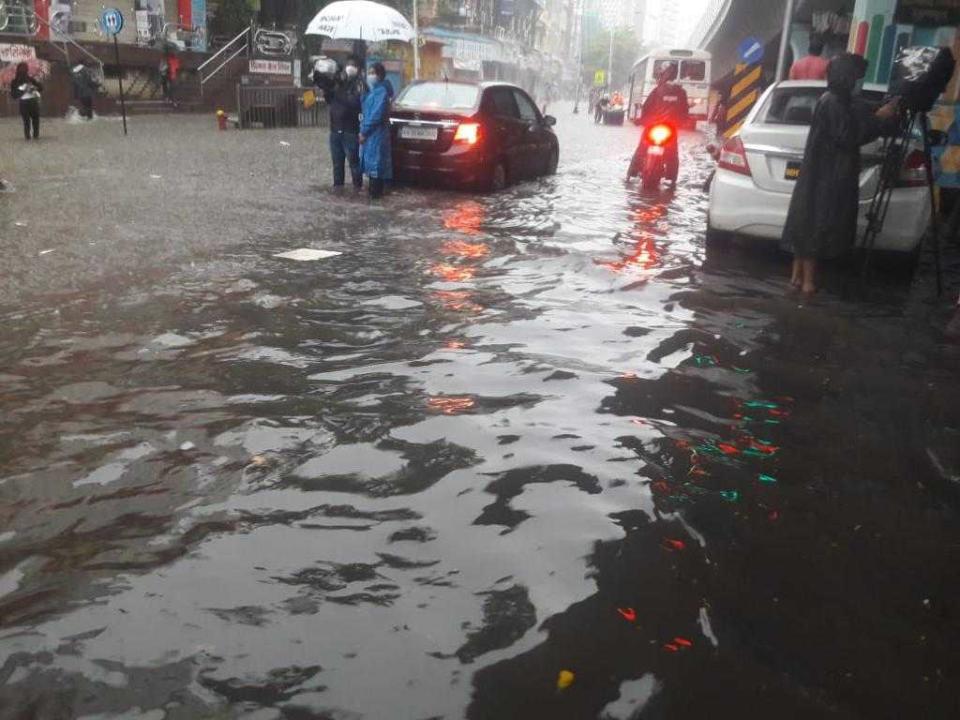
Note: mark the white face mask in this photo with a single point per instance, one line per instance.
(372, 80)
(351, 71)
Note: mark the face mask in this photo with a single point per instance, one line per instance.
(351, 71)
(373, 80)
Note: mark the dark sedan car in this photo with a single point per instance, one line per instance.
(483, 135)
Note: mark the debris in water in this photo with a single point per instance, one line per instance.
(730, 495)
(629, 614)
(187, 446)
(46, 252)
(284, 143)
(768, 479)
(565, 679)
(258, 460)
(307, 254)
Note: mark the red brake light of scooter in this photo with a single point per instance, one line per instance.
(659, 135)
(468, 133)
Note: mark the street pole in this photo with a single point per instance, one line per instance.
(610, 62)
(785, 40)
(416, 42)
(123, 102)
(579, 34)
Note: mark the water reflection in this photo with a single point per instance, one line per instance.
(501, 439)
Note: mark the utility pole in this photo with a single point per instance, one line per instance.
(785, 41)
(416, 41)
(610, 61)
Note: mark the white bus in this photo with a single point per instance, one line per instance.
(693, 73)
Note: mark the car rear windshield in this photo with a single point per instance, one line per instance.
(441, 95)
(795, 105)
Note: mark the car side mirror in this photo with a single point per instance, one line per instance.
(549, 120)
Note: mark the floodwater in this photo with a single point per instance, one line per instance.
(532, 455)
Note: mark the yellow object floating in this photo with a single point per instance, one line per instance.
(565, 679)
(309, 99)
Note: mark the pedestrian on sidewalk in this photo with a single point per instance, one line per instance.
(27, 90)
(822, 220)
(343, 92)
(85, 87)
(375, 154)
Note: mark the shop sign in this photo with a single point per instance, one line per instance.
(931, 13)
(16, 53)
(271, 67)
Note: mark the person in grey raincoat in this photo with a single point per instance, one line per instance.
(375, 155)
(822, 221)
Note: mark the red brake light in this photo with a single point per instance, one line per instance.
(659, 134)
(468, 133)
(914, 172)
(733, 157)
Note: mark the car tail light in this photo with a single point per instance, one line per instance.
(733, 157)
(659, 135)
(914, 171)
(468, 133)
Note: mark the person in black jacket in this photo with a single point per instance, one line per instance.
(343, 92)
(822, 220)
(27, 90)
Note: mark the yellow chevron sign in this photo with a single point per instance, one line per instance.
(743, 96)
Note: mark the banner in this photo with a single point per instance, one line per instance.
(17, 53)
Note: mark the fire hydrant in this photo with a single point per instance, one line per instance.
(221, 119)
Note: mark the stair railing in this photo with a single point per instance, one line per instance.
(216, 62)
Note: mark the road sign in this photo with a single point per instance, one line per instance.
(600, 78)
(111, 21)
(750, 51)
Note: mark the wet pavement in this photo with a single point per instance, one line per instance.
(532, 455)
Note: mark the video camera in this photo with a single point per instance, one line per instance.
(920, 76)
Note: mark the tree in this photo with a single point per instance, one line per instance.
(596, 54)
(231, 17)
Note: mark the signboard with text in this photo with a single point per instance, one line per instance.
(16, 53)
(931, 13)
(271, 67)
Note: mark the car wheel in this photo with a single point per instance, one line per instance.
(717, 239)
(552, 162)
(497, 178)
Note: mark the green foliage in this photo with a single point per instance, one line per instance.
(596, 52)
(232, 16)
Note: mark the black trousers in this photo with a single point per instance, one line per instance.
(86, 107)
(30, 112)
(376, 188)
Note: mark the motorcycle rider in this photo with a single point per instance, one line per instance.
(668, 103)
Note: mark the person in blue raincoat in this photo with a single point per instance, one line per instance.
(375, 154)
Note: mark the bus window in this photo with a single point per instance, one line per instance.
(693, 70)
(640, 73)
(660, 65)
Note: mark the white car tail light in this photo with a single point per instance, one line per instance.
(733, 157)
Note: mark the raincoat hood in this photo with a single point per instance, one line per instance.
(844, 72)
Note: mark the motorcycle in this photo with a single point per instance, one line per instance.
(656, 157)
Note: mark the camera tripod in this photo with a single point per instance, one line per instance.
(895, 152)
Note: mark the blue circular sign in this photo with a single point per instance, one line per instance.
(111, 21)
(750, 51)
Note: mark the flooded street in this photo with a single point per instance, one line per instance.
(529, 455)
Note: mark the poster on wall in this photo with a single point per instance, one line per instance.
(928, 13)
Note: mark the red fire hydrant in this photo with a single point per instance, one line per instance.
(221, 119)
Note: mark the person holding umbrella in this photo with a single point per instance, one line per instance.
(343, 92)
(375, 154)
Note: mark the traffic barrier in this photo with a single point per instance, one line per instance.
(273, 107)
(743, 96)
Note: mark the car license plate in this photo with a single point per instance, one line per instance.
(793, 170)
(418, 133)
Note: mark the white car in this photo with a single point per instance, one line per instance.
(757, 171)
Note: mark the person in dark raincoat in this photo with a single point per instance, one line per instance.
(375, 154)
(822, 221)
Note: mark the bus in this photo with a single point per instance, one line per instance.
(693, 74)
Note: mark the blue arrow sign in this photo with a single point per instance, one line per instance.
(750, 51)
(111, 21)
